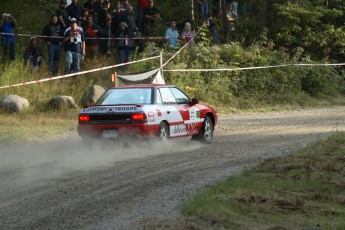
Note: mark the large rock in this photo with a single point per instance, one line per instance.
(14, 103)
(91, 95)
(61, 103)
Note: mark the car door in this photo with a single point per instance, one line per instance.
(190, 114)
(172, 113)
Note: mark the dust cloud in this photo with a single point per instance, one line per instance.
(25, 163)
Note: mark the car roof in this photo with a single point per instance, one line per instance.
(143, 86)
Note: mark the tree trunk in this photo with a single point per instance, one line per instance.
(224, 19)
(191, 13)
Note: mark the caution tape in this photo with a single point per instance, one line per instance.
(76, 74)
(249, 68)
(98, 38)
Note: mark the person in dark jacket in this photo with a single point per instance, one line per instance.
(33, 55)
(53, 33)
(62, 14)
(124, 44)
(74, 10)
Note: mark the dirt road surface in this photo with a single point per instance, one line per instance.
(62, 184)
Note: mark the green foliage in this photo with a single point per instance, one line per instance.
(301, 190)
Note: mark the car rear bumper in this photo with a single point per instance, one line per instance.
(93, 130)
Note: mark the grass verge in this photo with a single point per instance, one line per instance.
(34, 126)
(304, 190)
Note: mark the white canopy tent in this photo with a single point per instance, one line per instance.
(152, 77)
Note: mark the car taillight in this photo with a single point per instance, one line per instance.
(138, 116)
(84, 118)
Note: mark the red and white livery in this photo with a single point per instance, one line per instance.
(155, 110)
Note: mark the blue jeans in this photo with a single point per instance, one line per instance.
(5, 49)
(105, 43)
(203, 10)
(54, 51)
(124, 54)
(72, 60)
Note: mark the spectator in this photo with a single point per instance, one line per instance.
(53, 32)
(74, 42)
(213, 31)
(98, 7)
(83, 19)
(215, 8)
(90, 5)
(151, 15)
(74, 10)
(130, 19)
(188, 35)
(62, 14)
(124, 5)
(92, 32)
(104, 21)
(203, 9)
(34, 55)
(118, 16)
(231, 16)
(141, 6)
(234, 4)
(124, 44)
(172, 35)
(7, 26)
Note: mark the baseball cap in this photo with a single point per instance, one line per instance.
(32, 38)
(73, 20)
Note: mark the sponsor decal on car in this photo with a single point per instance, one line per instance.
(109, 109)
(150, 114)
(194, 114)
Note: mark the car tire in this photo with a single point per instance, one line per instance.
(206, 134)
(163, 132)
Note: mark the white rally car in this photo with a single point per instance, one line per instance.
(155, 110)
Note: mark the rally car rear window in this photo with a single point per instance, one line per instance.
(126, 96)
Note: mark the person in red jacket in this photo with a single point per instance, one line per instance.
(92, 32)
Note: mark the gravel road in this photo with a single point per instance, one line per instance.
(63, 185)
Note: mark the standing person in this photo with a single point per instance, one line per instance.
(90, 5)
(74, 42)
(151, 15)
(141, 6)
(172, 35)
(53, 33)
(98, 7)
(7, 26)
(188, 35)
(234, 4)
(231, 16)
(92, 32)
(130, 18)
(118, 16)
(62, 14)
(124, 44)
(83, 19)
(34, 55)
(74, 10)
(203, 9)
(104, 21)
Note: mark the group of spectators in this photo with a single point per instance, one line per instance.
(87, 29)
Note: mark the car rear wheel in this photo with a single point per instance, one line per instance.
(163, 133)
(206, 134)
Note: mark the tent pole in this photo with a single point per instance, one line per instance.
(161, 64)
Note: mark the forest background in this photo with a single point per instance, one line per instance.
(311, 32)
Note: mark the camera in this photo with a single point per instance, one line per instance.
(75, 37)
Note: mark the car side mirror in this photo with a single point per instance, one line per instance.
(194, 101)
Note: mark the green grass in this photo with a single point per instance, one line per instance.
(300, 191)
